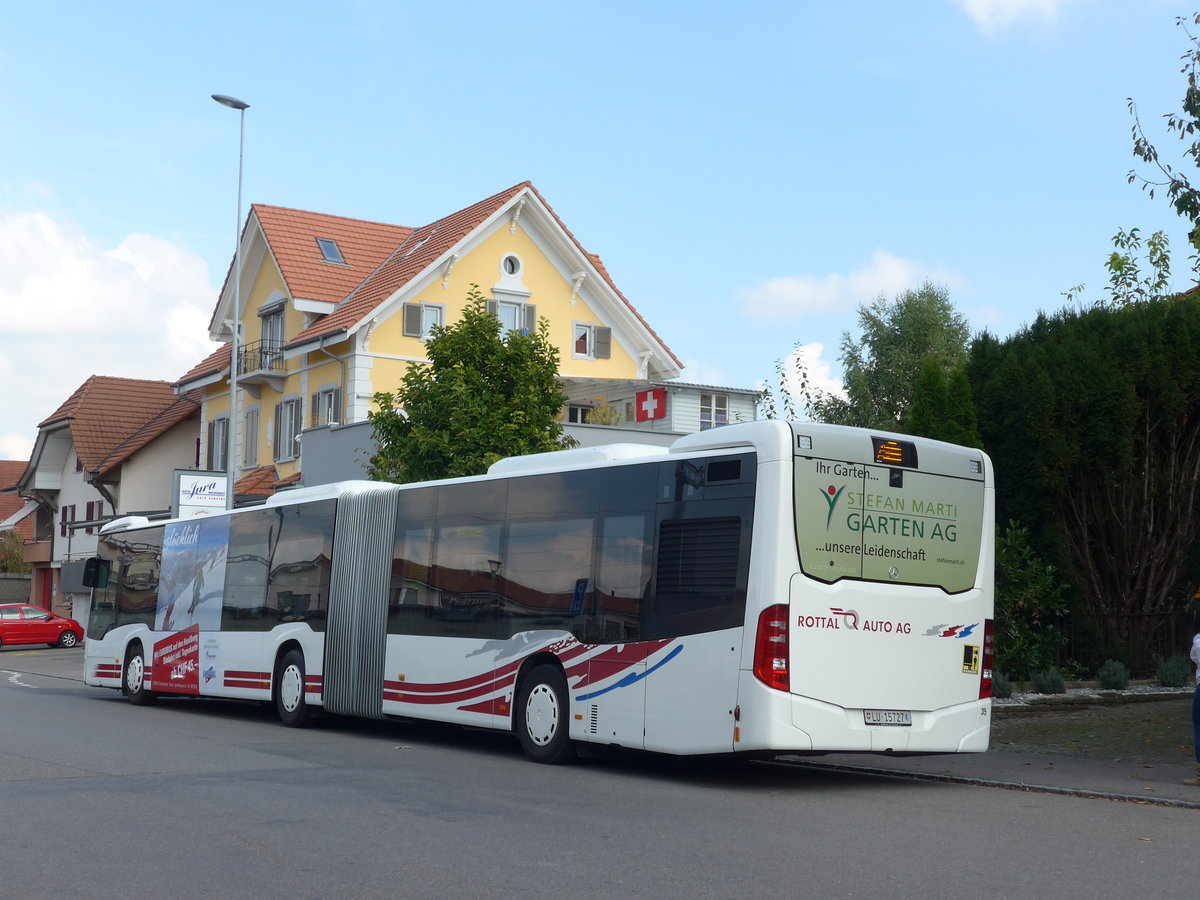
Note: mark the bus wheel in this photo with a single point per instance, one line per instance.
(289, 690)
(542, 707)
(133, 677)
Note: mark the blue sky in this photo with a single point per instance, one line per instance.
(749, 173)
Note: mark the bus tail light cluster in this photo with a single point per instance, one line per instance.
(771, 648)
(989, 656)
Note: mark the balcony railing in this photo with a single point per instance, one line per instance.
(261, 356)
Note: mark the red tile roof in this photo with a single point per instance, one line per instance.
(423, 246)
(183, 408)
(105, 411)
(262, 482)
(381, 259)
(292, 236)
(213, 364)
(10, 504)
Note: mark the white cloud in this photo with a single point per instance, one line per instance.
(799, 295)
(698, 372)
(992, 15)
(72, 310)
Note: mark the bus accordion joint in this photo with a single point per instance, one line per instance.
(771, 648)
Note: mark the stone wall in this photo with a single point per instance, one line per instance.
(14, 588)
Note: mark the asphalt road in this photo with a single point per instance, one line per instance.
(206, 799)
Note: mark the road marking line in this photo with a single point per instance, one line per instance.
(15, 678)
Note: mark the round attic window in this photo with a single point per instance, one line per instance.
(511, 265)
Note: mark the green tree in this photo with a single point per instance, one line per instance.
(12, 552)
(1029, 596)
(484, 394)
(882, 366)
(927, 414)
(1092, 420)
(1182, 195)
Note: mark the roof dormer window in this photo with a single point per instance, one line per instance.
(330, 251)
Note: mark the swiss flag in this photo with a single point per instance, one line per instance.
(651, 404)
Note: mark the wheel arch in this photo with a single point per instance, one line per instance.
(542, 657)
(284, 648)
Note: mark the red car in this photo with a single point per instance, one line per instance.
(21, 623)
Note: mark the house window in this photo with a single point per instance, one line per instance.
(327, 406)
(250, 438)
(66, 517)
(510, 314)
(330, 251)
(218, 444)
(419, 319)
(272, 339)
(577, 413)
(514, 315)
(288, 419)
(714, 410)
(591, 341)
(585, 339)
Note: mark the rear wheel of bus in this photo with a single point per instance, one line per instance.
(289, 690)
(542, 707)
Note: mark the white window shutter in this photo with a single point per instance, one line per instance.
(531, 318)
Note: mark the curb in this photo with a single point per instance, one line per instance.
(878, 772)
(1068, 702)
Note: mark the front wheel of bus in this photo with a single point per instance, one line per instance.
(133, 680)
(289, 690)
(542, 707)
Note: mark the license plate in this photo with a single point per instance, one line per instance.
(887, 716)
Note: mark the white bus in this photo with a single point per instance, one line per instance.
(759, 588)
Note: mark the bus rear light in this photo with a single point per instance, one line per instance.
(771, 648)
(989, 656)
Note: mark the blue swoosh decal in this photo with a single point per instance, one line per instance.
(633, 677)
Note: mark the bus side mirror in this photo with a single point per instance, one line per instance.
(96, 572)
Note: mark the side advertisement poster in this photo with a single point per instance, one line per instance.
(191, 583)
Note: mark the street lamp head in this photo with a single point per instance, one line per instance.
(231, 102)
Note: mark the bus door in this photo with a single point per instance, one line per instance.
(698, 602)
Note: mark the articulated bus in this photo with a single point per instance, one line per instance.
(760, 588)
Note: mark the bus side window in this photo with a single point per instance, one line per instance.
(300, 564)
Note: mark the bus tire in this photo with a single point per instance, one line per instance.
(133, 677)
(289, 690)
(543, 726)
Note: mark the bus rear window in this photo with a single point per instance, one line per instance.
(857, 520)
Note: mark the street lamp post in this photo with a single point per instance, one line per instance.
(241, 107)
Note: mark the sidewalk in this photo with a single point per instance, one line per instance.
(1135, 748)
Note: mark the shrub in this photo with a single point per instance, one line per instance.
(1002, 688)
(1048, 681)
(1175, 672)
(1113, 676)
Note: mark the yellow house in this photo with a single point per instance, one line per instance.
(333, 310)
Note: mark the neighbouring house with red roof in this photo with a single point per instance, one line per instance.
(111, 449)
(332, 310)
(17, 516)
(16, 512)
